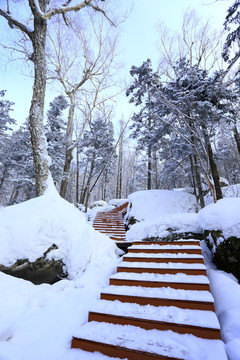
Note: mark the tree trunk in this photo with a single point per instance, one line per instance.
(236, 137)
(68, 153)
(38, 139)
(214, 171)
(198, 181)
(77, 179)
(86, 192)
(149, 173)
(193, 175)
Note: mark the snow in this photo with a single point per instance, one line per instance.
(179, 277)
(224, 216)
(158, 313)
(47, 220)
(160, 212)
(155, 203)
(168, 265)
(38, 321)
(166, 343)
(161, 293)
(226, 292)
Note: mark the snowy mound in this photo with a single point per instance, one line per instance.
(27, 230)
(161, 211)
(224, 216)
(117, 202)
(151, 204)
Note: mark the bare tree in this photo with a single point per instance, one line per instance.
(83, 71)
(34, 28)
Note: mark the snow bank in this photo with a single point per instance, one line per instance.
(118, 202)
(161, 211)
(27, 230)
(149, 204)
(226, 292)
(224, 216)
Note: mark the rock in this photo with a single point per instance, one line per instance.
(173, 236)
(226, 252)
(40, 271)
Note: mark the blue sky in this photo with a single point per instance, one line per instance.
(137, 43)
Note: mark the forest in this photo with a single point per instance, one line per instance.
(184, 132)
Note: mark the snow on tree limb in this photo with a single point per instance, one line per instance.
(13, 22)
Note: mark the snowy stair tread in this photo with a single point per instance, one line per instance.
(157, 302)
(151, 343)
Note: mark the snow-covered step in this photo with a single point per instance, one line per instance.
(164, 292)
(183, 304)
(179, 277)
(187, 249)
(163, 259)
(159, 270)
(158, 284)
(176, 242)
(169, 314)
(162, 255)
(202, 332)
(133, 343)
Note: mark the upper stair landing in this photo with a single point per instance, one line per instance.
(111, 223)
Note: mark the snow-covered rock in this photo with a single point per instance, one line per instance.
(29, 229)
(160, 213)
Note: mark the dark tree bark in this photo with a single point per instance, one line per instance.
(236, 137)
(214, 171)
(149, 169)
(38, 139)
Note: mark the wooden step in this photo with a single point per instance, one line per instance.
(202, 332)
(116, 351)
(158, 284)
(170, 251)
(141, 300)
(164, 260)
(177, 242)
(161, 271)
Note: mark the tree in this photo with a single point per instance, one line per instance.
(55, 134)
(141, 90)
(233, 38)
(34, 27)
(98, 150)
(5, 140)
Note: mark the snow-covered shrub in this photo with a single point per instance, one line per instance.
(98, 203)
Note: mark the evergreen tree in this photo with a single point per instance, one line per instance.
(98, 152)
(55, 134)
(5, 141)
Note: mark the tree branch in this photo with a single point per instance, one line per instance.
(15, 23)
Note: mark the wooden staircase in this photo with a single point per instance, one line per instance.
(157, 306)
(111, 223)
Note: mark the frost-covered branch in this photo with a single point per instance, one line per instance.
(13, 22)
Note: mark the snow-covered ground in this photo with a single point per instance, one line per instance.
(38, 321)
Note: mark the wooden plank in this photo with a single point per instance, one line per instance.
(202, 332)
(170, 251)
(164, 260)
(177, 242)
(162, 271)
(116, 351)
(141, 300)
(158, 284)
